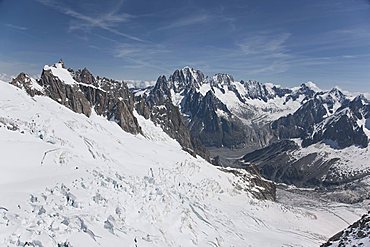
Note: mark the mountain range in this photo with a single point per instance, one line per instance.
(271, 125)
(264, 140)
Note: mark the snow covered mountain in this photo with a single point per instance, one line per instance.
(307, 135)
(220, 111)
(81, 92)
(323, 143)
(72, 180)
(202, 112)
(103, 165)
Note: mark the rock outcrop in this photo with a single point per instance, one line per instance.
(81, 92)
(357, 234)
(28, 84)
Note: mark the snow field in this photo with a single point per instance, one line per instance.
(68, 178)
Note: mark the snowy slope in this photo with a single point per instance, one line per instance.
(66, 178)
(358, 234)
(351, 161)
(59, 71)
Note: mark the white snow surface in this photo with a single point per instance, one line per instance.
(35, 85)
(139, 84)
(312, 86)
(63, 74)
(6, 77)
(352, 160)
(262, 111)
(68, 178)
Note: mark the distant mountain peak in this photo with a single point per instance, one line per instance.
(311, 85)
(222, 78)
(361, 98)
(186, 78)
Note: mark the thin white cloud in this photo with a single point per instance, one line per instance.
(334, 40)
(138, 50)
(272, 68)
(107, 21)
(271, 44)
(16, 27)
(186, 21)
(141, 54)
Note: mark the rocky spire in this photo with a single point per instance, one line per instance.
(62, 63)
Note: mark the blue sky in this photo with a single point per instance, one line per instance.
(285, 42)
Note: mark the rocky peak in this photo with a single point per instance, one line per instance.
(334, 95)
(257, 90)
(332, 100)
(61, 63)
(162, 84)
(339, 131)
(308, 89)
(28, 84)
(60, 86)
(360, 106)
(186, 78)
(76, 90)
(297, 125)
(160, 92)
(84, 76)
(360, 100)
(222, 79)
(310, 86)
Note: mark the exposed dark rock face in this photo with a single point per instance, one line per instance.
(256, 90)
(168, 116)
(269, 192)
(213, 123)
(360, 106)
(297, 125)
(278, 162)
(114, 100)
(185, 79)
(160, 93)
(357, 234)
(208, 119)
(68, 95)
(275, 163)
(23, 81)
(211, 120)
(159, 108)
(85, 76)
(108, 98)
(340, 131)
(317, 121)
